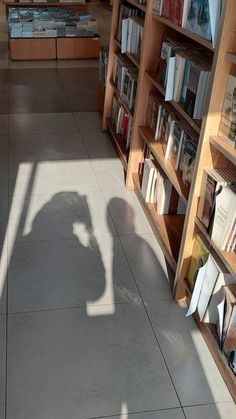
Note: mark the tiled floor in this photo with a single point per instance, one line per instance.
(88, 327)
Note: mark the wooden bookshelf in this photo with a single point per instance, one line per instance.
(130, 56)
(119, 144)
(176, 237)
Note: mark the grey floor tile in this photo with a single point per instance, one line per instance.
(83, 102)
(3, 148)
(4, 124)
(161, 414)
(148, 265)
(31, 105)
(110, 174)
(194, 373)
(2, 364)
(69, 273)
(214, 411)
(46, 147)
(52, 177)
(42, 123)
(99, 146)
(4, 176)
(126, 212)
(59, 216)
(88, 121)
(3, 278)
(68, 364)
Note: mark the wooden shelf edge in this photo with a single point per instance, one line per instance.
(121, 153)
(136, 4)
(228, 258)
(130, 56)
(176, 105)
(156, 149)
(204, 42)
(157, 221)
(224, 148)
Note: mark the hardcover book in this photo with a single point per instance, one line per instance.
(198, 18)
(198, 259)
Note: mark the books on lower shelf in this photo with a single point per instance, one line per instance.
(157, 188)
(217, 206)
(201, 17)
(214, 297)
(227, 128)
(122, 122)
(125, 76)
(185, 75)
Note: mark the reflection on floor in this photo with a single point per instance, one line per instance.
(88, 327)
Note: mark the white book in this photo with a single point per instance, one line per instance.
(157, 6)
(147, 181)
(163, 192)
(180, 61)
(170, 79)
(170, 140)
(158, 123)
(211, 275)
(124, 35)
(185, 11)
(215, 10)
(225, 213)
(129, 34)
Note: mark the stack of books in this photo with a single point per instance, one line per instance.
(227, 129)
(125, 77)
(125, 13)
(132, 35)
(51, 22)
(217, 206)
(201, 17)
(185, 74)
(122, 123)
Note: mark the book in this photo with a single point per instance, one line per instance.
(198, 18)
(212, 182)
(229, 344)
(168, 200)
(227, 128)
(199, 257)
(157, 6)
(149, 181)
(210, 277)
(224, 217)
(174, 153)
(229, 303)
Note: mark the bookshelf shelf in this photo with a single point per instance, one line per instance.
(167, 228)
(176, 233)
(230, 57)
(204, 42)
(224, 148)
(210, 335)
(119, 144)
(136, 4)
(228, 258)
(167, 167)
(130, 56)
(195, 124)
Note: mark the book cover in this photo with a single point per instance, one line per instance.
(177, 145)
(157, 6)
(166, 8)
(230, 301)
(207, 199)
(211, 275)
(176, 11)
(198, 259)
(147, 181)
(225, 213)
(198, 18)
(191, 93)
(229, 345)
(229, 107)
(188, 159)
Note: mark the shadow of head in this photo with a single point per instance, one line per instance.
(125, 213)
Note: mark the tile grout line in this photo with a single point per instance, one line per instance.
(134, 413)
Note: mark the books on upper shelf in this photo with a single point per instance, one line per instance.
(132, 35)
(217, 206)
(122, 123)
(201, 17)
(125, 13)
(125, 76)
(185, 75)
(149, 181)
(199, 257)
(227, 128)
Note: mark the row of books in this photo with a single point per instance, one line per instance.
(103, 65)
(179, 142)
(51, 22)
(125, 78)
(122, 123)
(126, 12)
(227, 128)
(217, 206)
(185, 74)
(157, 189)
(214, 296)
(132, 35)
(201, 17)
